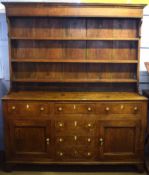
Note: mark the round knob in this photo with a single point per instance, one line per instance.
(101, 141)
(61, 154)
(135, 108)
(47, 140)
(89, 125)
(13, 107)
(89, 108)
(60, 124)
(27, 106)
(75, 138)
(89, 154)
(60, 108)
(60, 139)
(42, 109)
(89, 139)
(107, 109)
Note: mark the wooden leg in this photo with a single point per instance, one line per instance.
(140, 168)
(8, 167)
(146, 168)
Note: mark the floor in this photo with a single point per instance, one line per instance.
(68, 173)
(73, 170)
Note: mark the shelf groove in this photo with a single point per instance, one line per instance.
(74, 38)
(76, 80)
(74, 61)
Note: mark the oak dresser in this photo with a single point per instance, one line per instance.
(74, 96)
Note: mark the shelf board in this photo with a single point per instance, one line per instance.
(74, 38)
(74, 96)
(76, 80)
(74, 61)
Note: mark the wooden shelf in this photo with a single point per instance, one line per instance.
(72, 51)
(83, 96)
(74, 38)
(74, 61)
(75, 80)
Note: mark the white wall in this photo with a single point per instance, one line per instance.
(4, 63)
(144, 54)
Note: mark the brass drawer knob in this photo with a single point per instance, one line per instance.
(60, 108)
(89, 109)
(42, 109)
(89, 125)
(60, 140)
(101, 141)
(89, 139)
(75, 123)
(107, 109)
(89, 154)
(27, 106)
(60, 124)
(61, 153)
(13, 107)
(48, 141)
(135, 108)
(75, 138)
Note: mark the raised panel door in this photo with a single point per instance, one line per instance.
(30, 139)
(119, 140)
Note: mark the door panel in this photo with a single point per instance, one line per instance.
(30, 139)
(119, 140)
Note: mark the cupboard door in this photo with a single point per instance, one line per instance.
(30, 139)
(119, 140)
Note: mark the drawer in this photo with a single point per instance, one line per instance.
(76, 139)
(119, 108)
(98, 108)
(74, 108)
(74, 127)
(27, 108)
(75, 153)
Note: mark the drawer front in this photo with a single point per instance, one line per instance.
(28, 108)
(43, 108)
(98, 108)
(75, 153)
(118, 108)
(74, 108)
(76, 139)
(73, 127)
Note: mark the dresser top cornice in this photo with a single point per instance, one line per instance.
(72, 4)
(74, 9)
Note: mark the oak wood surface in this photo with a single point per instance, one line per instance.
(71, 39)
(75, 10)
(41, 95)
(74, 61)
(74, 84)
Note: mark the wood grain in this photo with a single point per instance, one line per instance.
(74, 84)
(41, 95)
(75, 10)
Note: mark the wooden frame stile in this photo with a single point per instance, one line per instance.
(10, 53)
(142, 140)
(7, 166)
(138, 66)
